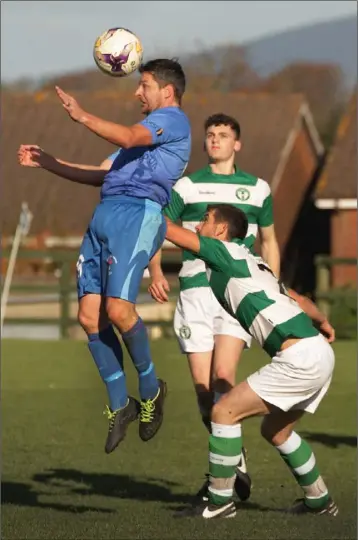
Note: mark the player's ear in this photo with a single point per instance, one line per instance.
(168, 91)
(237, 146)
(221, 229)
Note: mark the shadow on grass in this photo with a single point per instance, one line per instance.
(19, 494)
(127, 487)
(333, 441)
(120, 486)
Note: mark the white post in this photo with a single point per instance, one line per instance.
(22, 230)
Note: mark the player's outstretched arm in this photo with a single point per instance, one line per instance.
(123, 136)
(182, 237)
(315, 314)
(104, 166)
(34, 156)
(159, 286)
(269, 248)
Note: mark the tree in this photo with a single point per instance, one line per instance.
(322, 85)
(223, 69)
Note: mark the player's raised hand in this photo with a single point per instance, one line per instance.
(158, 289)
(70, 104)
(31, 155)
(26, 155)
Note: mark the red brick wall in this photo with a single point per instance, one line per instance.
(344, 244)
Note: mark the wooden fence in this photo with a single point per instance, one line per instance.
(64, 285)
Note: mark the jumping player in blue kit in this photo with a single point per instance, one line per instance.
(126, 230)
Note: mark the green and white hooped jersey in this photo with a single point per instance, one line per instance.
(190, 197)
(246, 288)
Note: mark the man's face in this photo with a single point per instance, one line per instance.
(208, 227)
(149, 93)
(220, 143)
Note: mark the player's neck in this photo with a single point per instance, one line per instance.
(223, 167)
(168, 103)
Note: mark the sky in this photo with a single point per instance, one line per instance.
(39, 38)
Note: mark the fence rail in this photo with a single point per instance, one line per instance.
(64, 286)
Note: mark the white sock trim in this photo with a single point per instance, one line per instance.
(217, 459)
(222, 492)
(226, 432)
(306, 467)
(289, 446)
(324, 494)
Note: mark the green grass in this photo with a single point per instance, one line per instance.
(59, 484)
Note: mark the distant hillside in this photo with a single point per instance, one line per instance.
(331, 42)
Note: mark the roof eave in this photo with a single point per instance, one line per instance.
(303, 115)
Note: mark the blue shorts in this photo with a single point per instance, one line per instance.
(124, 234)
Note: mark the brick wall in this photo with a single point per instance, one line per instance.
(344, 244)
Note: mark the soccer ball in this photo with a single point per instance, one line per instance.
(118, 52)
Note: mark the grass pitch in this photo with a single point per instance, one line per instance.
(57, 482)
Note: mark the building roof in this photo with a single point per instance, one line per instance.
(63, 208)
(338, 181)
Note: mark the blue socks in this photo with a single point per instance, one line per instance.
(107, 353)
(108, 356)
(137, 343)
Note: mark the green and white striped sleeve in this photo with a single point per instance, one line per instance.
(265, 217)
(214, 253)
(177, 203)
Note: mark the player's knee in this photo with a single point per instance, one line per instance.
(266, 430)
(121, 313)
(272, 434)
(88, 321)
(224, 379)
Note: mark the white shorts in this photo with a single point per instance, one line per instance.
(199, 317)
(297, 377)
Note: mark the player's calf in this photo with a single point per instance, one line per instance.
(298, 456)
(152, 390)
(225, 447)
(243, 482)
(205, 399)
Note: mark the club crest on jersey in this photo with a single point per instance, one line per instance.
(242, 194)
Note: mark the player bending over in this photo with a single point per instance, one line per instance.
(126, 230)
(294, 382)
(212, 340)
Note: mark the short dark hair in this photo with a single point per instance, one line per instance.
(166, 72)
(235, 218)
(221, 119)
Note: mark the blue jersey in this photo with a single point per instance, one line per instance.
(150, 172)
